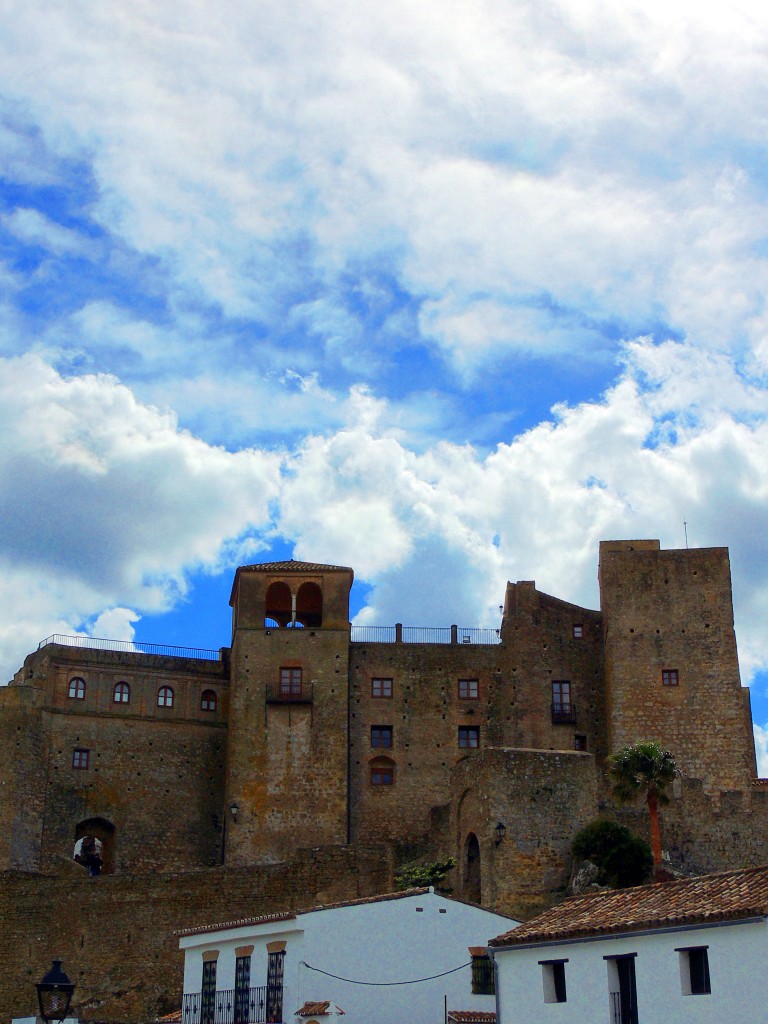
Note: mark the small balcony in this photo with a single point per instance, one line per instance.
(563, 714)
(226, 1007)
(279, 693)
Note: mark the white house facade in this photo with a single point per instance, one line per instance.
(688, 950)
(400, 957)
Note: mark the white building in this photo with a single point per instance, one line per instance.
(399, 957)
(689, 950)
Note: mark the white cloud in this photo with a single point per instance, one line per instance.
(107, 504)
(761, 749)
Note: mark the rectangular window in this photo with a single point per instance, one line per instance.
(553, 980)
(208, 993)
(381, 687)
(578, 630)
(483, 981)
(79, 758)
(275, 968)
(382, 772)
(579, 742)
(381, 736)
(469, 735)
(242, 988)
(670, 677)
(290, 682)
(622, 988)
(694, 970)
(563, 710)
(468, 689)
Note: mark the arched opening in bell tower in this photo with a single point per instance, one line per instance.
(95, 846)
(309, 605)
(279, 605)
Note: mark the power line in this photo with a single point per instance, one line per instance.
(378, 984)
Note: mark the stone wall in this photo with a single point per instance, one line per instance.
(542, 799)
(115, 933)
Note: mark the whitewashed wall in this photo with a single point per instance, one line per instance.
(392, 940)
(737, 968)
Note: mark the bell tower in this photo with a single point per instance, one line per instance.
(287, 782)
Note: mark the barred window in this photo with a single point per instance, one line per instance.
(483, 980)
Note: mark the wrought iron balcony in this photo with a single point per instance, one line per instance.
(248, 1006)
(279, 693)
(563, 714)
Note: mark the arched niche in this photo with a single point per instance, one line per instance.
(309, 605)
(103, 833)
(471, 870)
(278, 609)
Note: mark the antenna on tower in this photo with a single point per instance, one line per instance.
(685, 527)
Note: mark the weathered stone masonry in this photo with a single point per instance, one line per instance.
(301, 736)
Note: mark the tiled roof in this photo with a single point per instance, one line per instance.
(239, 923)
(472, 1016)
(291, 565)
(728, 896)
(310, 1009)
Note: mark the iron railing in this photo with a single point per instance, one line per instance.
(425, 635)
(226, 1007)
(563, 714)
(616, 1008)
(130, 647)
(279, 694)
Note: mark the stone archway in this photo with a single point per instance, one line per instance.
(103, 832)
(471, 870)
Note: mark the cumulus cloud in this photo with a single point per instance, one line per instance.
(107, 504)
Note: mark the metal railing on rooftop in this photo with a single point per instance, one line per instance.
(130, 647)
(226, 1006)
(400, 634)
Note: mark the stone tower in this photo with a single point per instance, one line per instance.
(287, 764)
(671, 666)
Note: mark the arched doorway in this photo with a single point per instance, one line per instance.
(471, 886)
(94, 842)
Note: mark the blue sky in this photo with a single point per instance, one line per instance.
(447, 294)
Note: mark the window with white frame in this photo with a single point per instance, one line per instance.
(553, 980)
(694, 970)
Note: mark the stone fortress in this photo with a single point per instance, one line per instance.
(304, 762)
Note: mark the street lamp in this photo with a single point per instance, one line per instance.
(54, 993)
(501, 831)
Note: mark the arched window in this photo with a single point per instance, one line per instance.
(77, 688)
(122, 693)
(309, 605)
(382, 771)
(165, 697)
(278, 607)
(208, 701)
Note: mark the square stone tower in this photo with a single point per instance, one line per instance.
(672, 670)
(287, 763)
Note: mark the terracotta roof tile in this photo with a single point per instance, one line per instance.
(730, 895)
(310, 1009)
(472, 1016)
(292, 565)
(239, 923)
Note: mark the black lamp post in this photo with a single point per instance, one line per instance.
(501, 831)
(54, 993)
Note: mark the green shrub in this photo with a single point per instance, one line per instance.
(624, 859)
(416, 877)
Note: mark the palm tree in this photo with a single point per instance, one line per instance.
(644, 768)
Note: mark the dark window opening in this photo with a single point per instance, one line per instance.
(80, 758)
(242, 989)
(381, 736)
(275, 968)
(468, 689)
(165, 697)
(122, 693)
(694, 973)
(483, 979)
(471, 882)
(623, 989)
(382, 772)
(579, 742)
(553, 977)
(381, 687)
(469, 736)
(563, 711)
(208, 701)
(278, 605)
(76, 688)
(208, 993)
(290, 682)
(309, 606)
